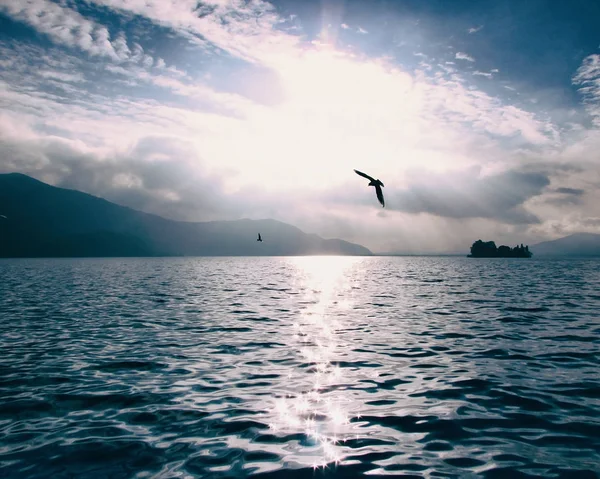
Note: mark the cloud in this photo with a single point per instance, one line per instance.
(248, 30)
(68, 27)
(316, 89)
(564, 196)
(483, 74)
(570, 191)
(362, 30)
(463, 56)
(587, 78)
(34, 68)
(213, 26)
(466, 194)
(63, 25)
(158, 174)
(567, 224)
(62, 76)
(474, 29)
(344, 26)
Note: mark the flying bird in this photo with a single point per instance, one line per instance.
(259, 238)
(376, 183)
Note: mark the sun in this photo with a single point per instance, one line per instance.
(338, 111)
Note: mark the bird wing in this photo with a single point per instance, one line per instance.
(259, 236)
(364, 175)
(379, 195)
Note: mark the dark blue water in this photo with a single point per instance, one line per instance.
(299, 367)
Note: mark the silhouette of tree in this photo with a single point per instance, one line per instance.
(481, 249)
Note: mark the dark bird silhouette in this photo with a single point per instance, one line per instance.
(376, 183)
(259, 238)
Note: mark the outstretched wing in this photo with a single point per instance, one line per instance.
(379, 193)
(364, 175)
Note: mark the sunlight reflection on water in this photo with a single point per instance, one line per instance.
(322, 412)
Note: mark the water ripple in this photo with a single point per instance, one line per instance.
(296, 367)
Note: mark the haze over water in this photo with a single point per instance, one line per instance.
(294, 367)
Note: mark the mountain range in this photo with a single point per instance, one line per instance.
(47, 221)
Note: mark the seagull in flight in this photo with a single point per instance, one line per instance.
(376, 183)
(259, 238)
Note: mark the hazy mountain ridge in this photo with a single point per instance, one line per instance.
(578, 244)
(44, 220)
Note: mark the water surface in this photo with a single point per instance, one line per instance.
(296, 367)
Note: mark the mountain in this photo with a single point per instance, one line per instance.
(578, 244)
(46, 221)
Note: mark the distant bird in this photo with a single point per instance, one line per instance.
(376, 183)
(259, 238)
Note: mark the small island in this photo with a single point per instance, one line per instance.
(487, 249)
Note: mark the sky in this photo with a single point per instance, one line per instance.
(482, 119)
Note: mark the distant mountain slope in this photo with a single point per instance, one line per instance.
(43, 220)
(578, 244)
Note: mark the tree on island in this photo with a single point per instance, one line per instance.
(488, 249)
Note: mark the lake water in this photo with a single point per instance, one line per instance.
(299, 367)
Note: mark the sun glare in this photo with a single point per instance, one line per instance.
(315, 405)
(337, 111)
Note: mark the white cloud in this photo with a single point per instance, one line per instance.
(362, 30)
(587, 78)
(483, 74)
(63, 25)
(312, 68)
(68, 27)
(62, 76)
(474, 29)
(464, 56)
(344, 26)
(331, 123)
(244, 29)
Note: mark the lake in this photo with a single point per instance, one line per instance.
(299, 367)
